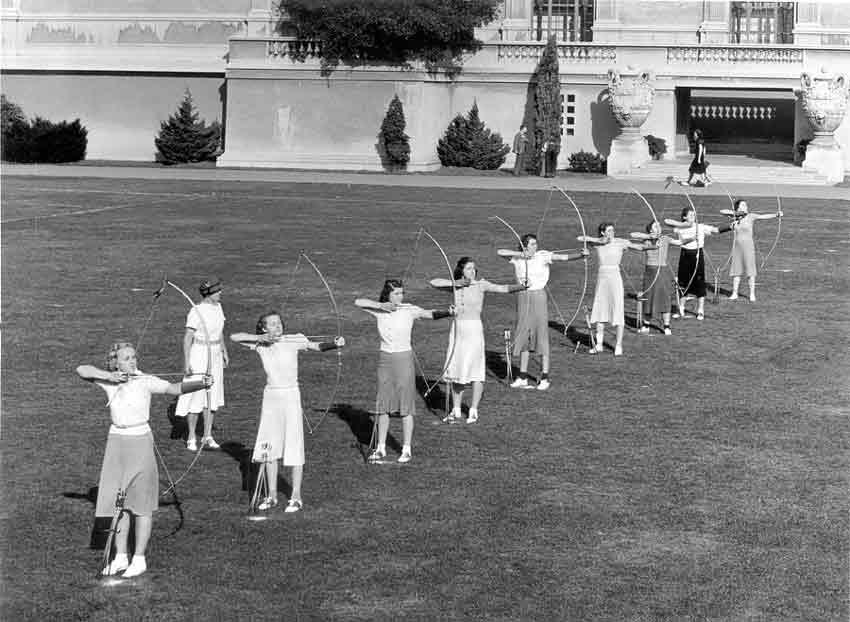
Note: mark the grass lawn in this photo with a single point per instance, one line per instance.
(701, 476)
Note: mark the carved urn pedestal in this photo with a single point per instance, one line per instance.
(631, 99)
(824, 101)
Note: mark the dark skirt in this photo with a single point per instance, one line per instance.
(691, 274)
(697, 168)
(658, 297)
(532, 329)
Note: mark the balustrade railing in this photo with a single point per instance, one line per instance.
(744, 112)
(295, 50)
(569, 53)
(733, 54)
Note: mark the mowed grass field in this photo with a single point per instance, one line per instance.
(702, 476)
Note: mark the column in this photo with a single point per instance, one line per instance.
(715, 22)
(260, 22)
(807, 28)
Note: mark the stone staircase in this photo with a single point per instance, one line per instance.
(729, 169)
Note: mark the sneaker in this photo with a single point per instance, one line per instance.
(700, 316)
(119, 564)
(136, 568)
(598, 349)
(543, 384)
(473, 416)
(267, 504)
(192, 444)
(752, 297)
(453, 416)
(734, 296)
(377, 456)
(405, 457)
(294, 505)
(210, 443)
(667, 330)
(519, 383)
(643, 329)
(618, 351)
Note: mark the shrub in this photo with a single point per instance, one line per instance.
(436, 32)
(586, 162)
(42, 140)
(800, 150)
(395, 144)
(548, 106)
(468, 142)
(183, 138)
(657, 146)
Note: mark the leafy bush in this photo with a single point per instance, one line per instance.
(41, 140)
(586, 162)
(185, 139)
(436, 32)
(657, 146)
(395, 144)
(468, 142)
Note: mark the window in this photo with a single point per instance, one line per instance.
(572, 20)
(761, 22)
(570, 120)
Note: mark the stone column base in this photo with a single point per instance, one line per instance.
(825, 160)
(628, 152)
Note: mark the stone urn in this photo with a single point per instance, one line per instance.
(631, 97)
(823, 99)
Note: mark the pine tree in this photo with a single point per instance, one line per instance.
(468, 142)
(548, 106)
(183, 138)
(394, 142)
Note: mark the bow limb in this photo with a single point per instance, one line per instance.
(338, 351)
(654, 219)
(778, 231)
(454, 301)
(684, 290)
(522, 250)
(584, 247)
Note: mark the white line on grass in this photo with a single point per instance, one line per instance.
(80, 212)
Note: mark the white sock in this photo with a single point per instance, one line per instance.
(381, 448)
(405, 449)
(137, 567)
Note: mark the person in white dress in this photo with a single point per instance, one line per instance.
(743, 247)
(204, 351)
(465, 358)
(281, 432)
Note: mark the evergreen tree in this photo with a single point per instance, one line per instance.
(15, 132)
(183, 138)
(468, 142)
(394, 142)
(548, 106)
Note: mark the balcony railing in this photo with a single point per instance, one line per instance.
(734, 54)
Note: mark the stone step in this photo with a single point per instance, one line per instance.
(768, 173)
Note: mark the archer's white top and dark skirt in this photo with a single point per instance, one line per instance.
(658, 296)
(465, 360)
(396, 371)
(691, 272)
(743, 249)
(532, 306)
(129, 463)
(213, 321)
(608, 297)
(281, 427)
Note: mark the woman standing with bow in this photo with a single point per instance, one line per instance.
(204, 351)
(743, 247)
(531, 266)
(465, 360)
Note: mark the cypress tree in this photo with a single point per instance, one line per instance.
(183, 138)
(394, 142)
(548, 106)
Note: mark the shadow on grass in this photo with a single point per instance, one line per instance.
(250, 470)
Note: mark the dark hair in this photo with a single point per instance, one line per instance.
(698, 134)
(461, 265)
(604, 226)
(649, 225)
(389, 286)
(261, 323)
(738, 204)
(686, 211)
(524, 240)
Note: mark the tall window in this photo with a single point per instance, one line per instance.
(762, 22)
(572, 20)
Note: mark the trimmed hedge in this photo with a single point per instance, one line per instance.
(41, 140)
(586, 162)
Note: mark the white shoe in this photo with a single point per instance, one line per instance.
(453, 416)
(618, 351)
(267, 504)
(137, 567)
(377, 456)
(667, 330)
(598, 349)
(192, 444)
(752, 297)
(119, 564)
(405, 456)
(643, 329)
(294, 505)
(473, 416)
(543, 384)
(210, 443)
(734, 296)
(700, 316)
(519, 383)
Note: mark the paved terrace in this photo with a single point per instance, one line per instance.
(497, 181)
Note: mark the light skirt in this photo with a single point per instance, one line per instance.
(281, 428)
(743, 258)
(532, 329)
(129, 464)
(196, 401)
(466, 356)
(396, 384)
(658, 297)
(608, 298)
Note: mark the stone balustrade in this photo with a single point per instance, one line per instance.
(719, 54)
(567, 52)
(749, 112)
(279, 49)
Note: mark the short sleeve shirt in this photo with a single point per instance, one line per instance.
(535, 269)
(395, 327)
(280, 360)
(213, 321)
(130, 403)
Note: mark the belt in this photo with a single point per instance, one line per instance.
(127, 427)
(204, 342)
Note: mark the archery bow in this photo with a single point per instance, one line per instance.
(584, 247)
